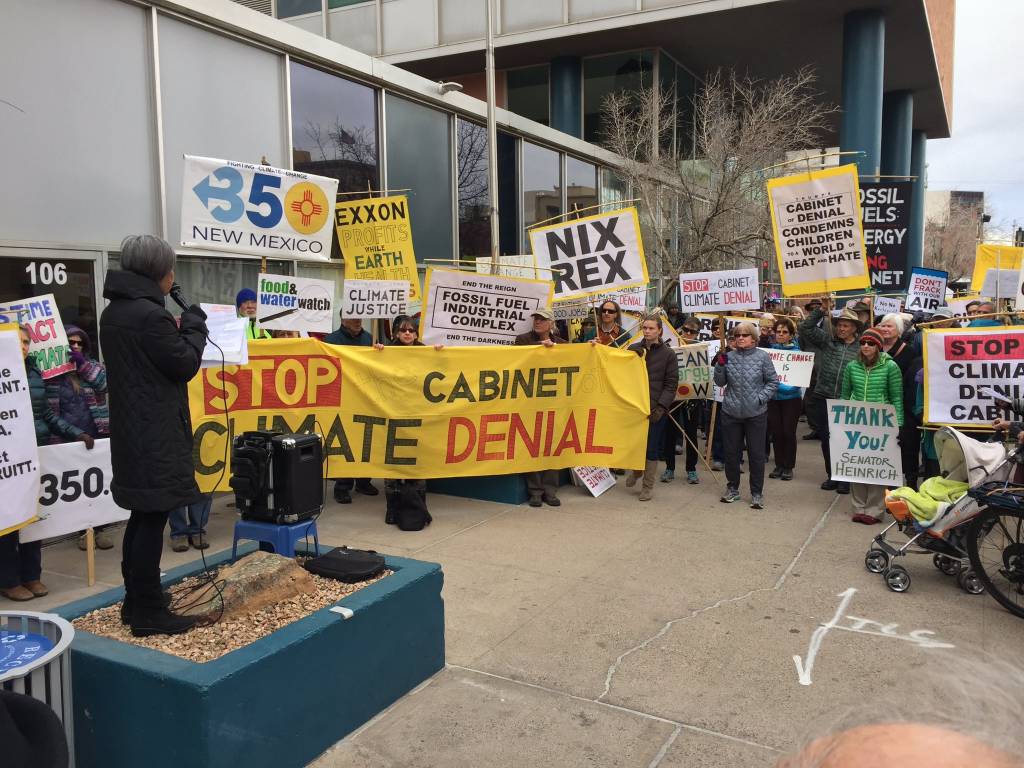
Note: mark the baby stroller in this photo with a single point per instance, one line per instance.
(946, 537)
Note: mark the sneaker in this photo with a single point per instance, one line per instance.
(731, 495)
(757, 501)
(829, 485)
(717, 466)
(179, 543)
(668, 476)
(691, 478)
(843, 488)
(775, 474)
(786, 474)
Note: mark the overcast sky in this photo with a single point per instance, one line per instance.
(986, 151)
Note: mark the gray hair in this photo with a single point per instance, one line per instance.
(147, 255)
(897, 320)
(747, 328)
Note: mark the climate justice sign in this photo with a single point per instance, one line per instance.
(816, 223)
(375, 298)
(722, 291)
(964, 367)
(591, 255)
(420, 412)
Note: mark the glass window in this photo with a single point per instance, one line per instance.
(334, 128)
(289, 8)
(603, 75)
(474, 200)
(580, 185)
(669, 92)
(528, 92)
(71, 281)
(419, 159)
(542, 184)
(613, 188)
(218, 281)
(686, 92)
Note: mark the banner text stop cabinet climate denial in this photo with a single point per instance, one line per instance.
(425, 413)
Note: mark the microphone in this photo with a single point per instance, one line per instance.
(178, 298)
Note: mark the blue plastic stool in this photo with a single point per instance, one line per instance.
(279, 538)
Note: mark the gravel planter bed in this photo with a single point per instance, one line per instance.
(279, 700)
(211, 642)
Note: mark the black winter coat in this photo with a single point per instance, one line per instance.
(149, 360)
(662, 372)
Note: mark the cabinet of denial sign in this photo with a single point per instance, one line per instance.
(816, 223)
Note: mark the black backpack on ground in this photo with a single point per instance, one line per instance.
(407, 508)
(348, 565)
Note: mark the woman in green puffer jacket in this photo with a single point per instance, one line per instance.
(873, 377)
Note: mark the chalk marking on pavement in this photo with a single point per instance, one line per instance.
(665, 748)
(922, 638)
(616, 707)
(668, 625)
(803, 670)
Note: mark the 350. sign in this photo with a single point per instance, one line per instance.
(72, 485)
(256, 209)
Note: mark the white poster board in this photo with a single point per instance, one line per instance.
(885, 305)
(48, 343)
(597, 480)
(724, 291)
(369, 299)
(256, 209)
(510, 265)
(964, 366)
(792, 366)
(592, 255)
(74, 490)
(466, 309)
(19, 457)
(286, 303)
(862, 438)
(927, 290)
(227, 342)
(1001, 284)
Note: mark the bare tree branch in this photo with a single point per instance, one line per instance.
(950, 241)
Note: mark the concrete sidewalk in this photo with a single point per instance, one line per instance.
(609, 632)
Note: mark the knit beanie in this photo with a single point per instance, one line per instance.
(246, 294)
(873, 336)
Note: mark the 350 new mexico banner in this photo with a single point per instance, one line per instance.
(423, 413)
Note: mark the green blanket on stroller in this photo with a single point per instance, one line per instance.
(933, 498)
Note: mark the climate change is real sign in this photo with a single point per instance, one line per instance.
(256, 209)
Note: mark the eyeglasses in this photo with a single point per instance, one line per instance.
(605, 311)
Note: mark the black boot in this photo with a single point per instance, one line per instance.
(149, 614)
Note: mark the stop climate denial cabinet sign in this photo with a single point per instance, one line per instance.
(721, 291)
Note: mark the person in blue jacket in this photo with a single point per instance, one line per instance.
(785, 408)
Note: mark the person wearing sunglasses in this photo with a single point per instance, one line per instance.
(608, 330)
(785, 408)
(873, 377)
(748, 376)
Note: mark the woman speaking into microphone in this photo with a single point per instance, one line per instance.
(150, 360)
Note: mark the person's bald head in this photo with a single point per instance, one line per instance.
(912, 745)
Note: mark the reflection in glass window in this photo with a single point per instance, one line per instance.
(334, 128)
(218, 281)
(474, 200)
(528, 92)
(603, 75)
(69, 280)
(613, 189)
(580, 186)
(542, 185)
(686, 92)
(419, 159)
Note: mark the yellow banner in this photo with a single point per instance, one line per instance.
(988, 256)
(423, 413)
(816, 224)
(375, 237)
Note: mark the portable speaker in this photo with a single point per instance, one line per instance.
(277, 477)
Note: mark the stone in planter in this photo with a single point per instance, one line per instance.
(255, 581)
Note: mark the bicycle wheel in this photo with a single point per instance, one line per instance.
(995, 546)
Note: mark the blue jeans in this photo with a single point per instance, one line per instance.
(190, 520)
